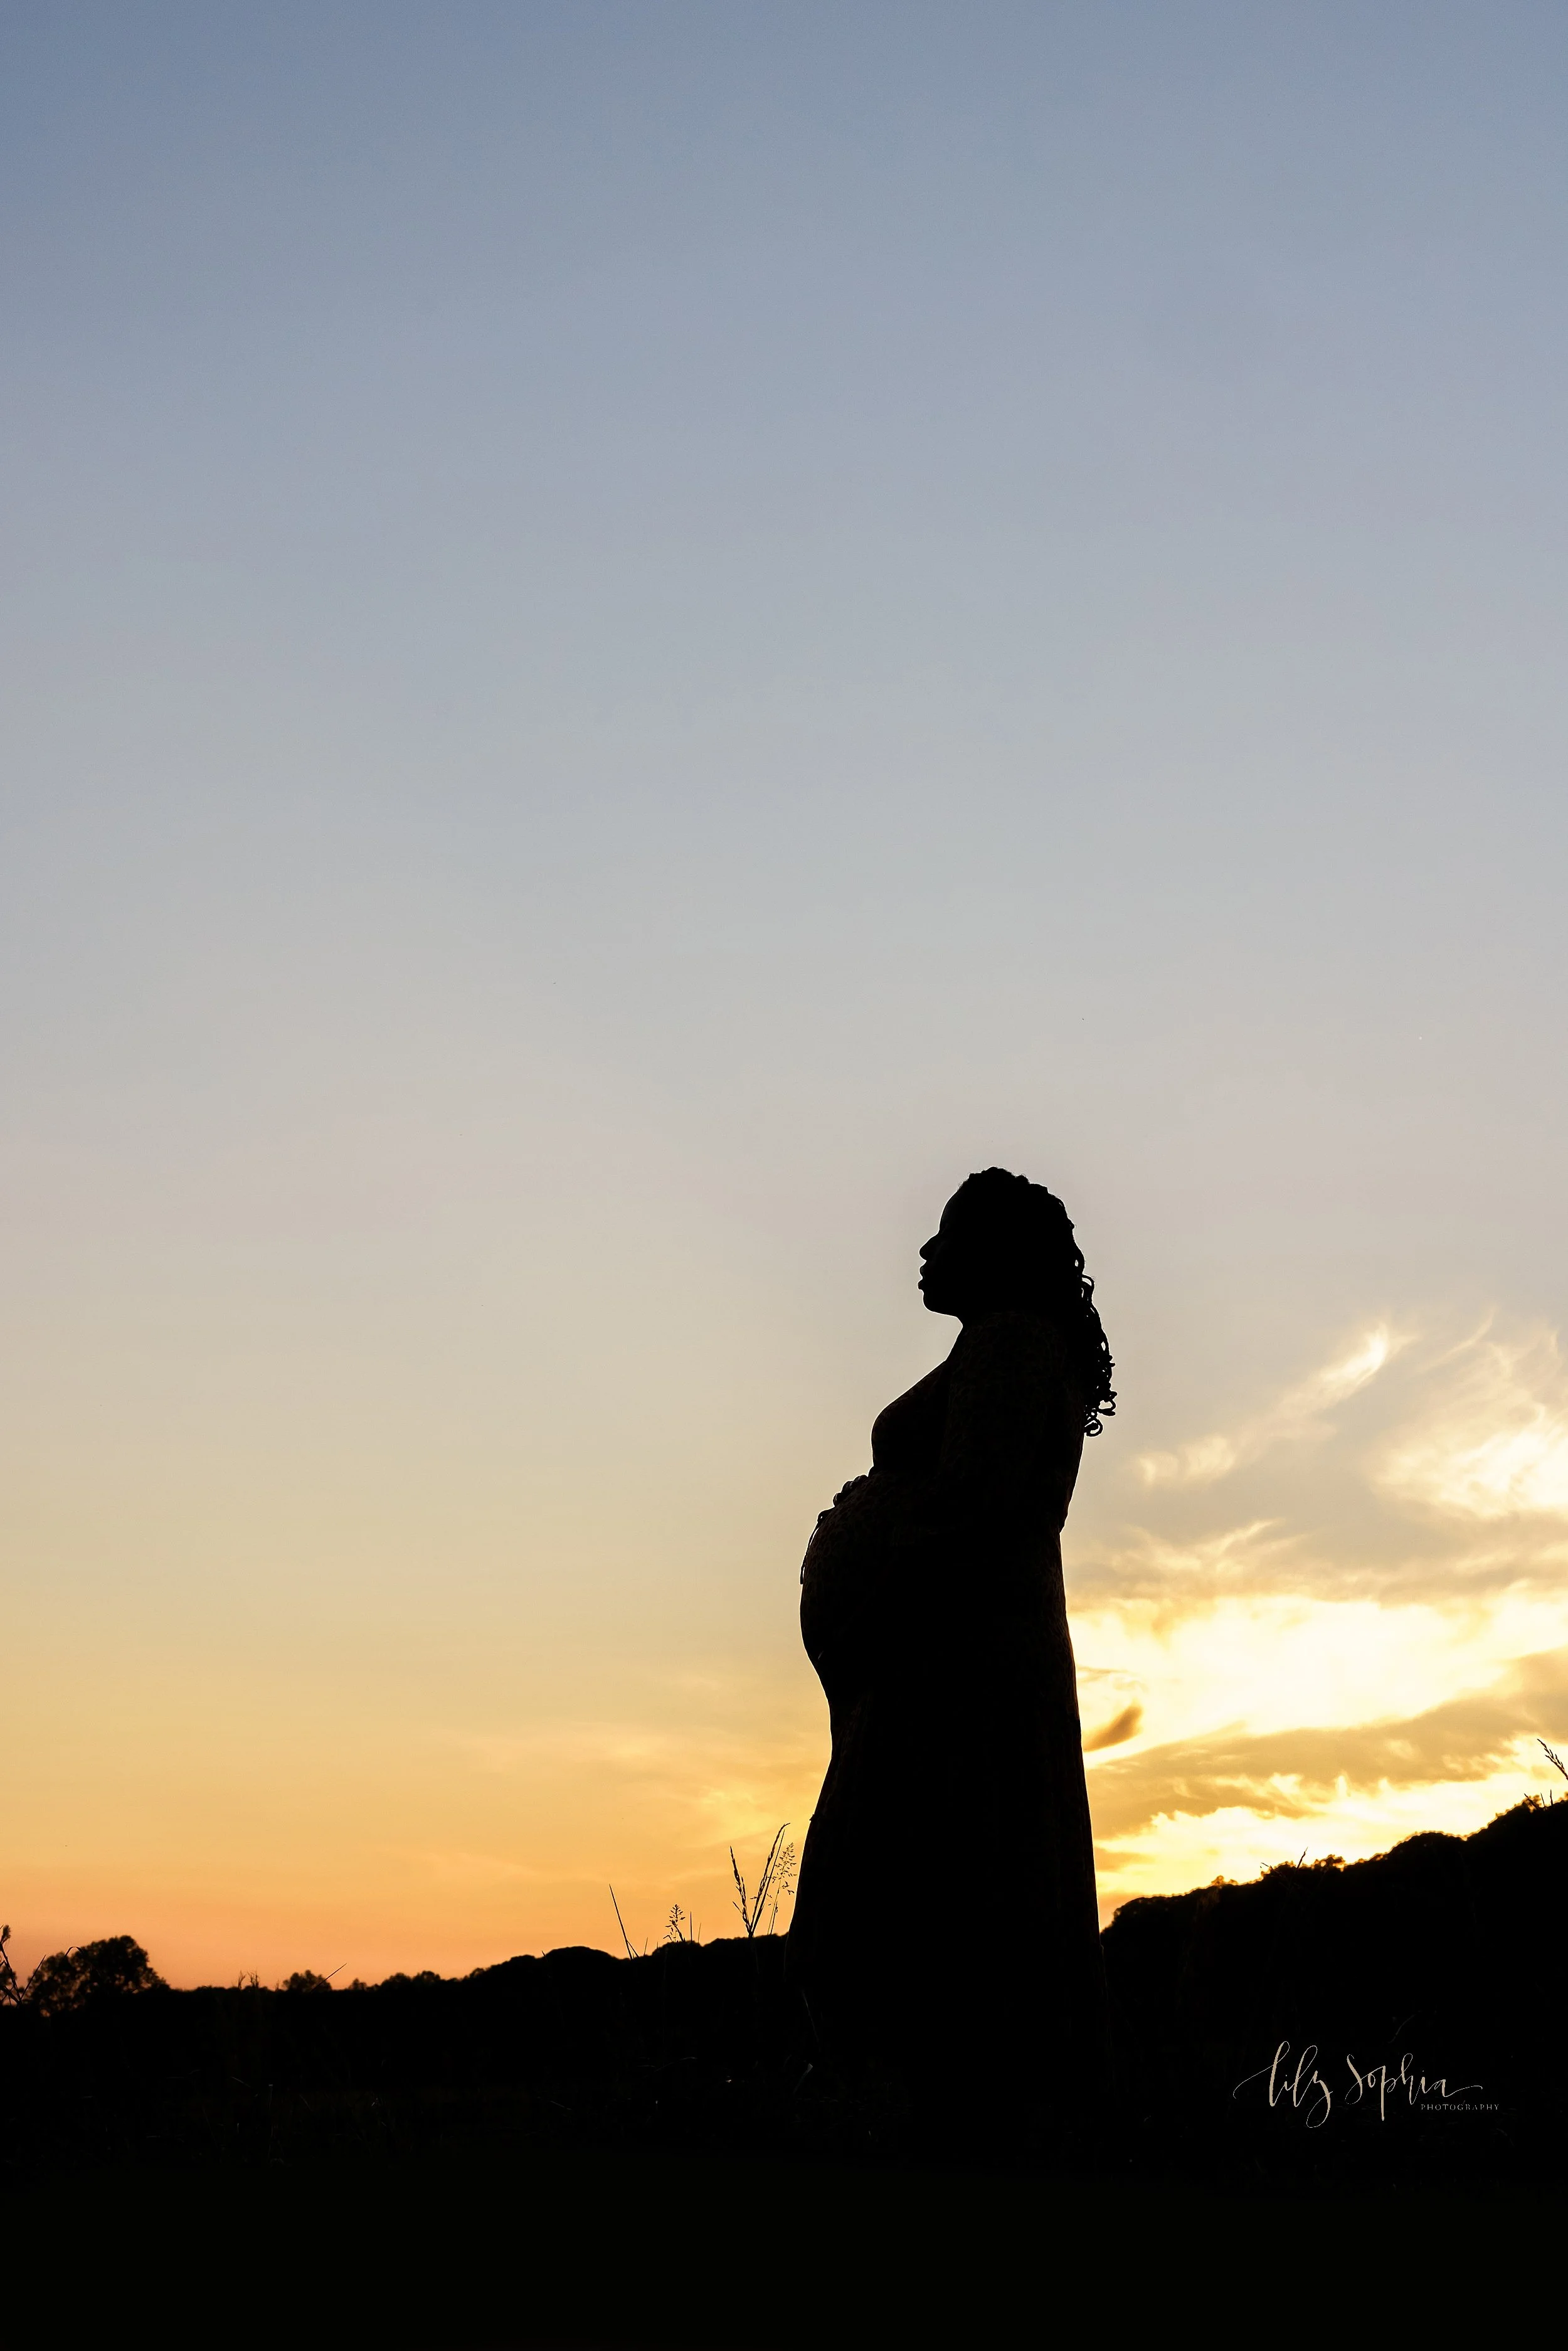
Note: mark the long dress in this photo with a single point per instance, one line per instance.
(945, 1920)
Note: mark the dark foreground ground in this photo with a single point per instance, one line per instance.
(576, 2149)
(628, 2253)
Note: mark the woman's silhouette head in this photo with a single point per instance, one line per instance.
(1004, 1242)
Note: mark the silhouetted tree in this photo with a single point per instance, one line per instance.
(69, 1980)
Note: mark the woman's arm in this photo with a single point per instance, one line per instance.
(1014, 1425)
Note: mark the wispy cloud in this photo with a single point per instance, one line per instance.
(1442, 1475)
(1298, 1414)
(1495, 1444)
(1143, 1564)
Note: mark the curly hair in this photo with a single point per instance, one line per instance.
(1031, 1226)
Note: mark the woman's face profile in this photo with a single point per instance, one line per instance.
(950, 1263)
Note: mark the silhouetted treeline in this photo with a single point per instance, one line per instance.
(693, 2044)
(1443, 1954)
(1440, 1961)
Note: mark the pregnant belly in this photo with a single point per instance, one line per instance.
(845, 1562)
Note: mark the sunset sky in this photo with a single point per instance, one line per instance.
(634, 636)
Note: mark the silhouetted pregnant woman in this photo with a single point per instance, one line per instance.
(946, 1920)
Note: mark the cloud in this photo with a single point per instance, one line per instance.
(1117, 1731)
(1180, 1576)
(1295, 1772)
(1297, 1414)
(1496, 1447)
(1442, 1475)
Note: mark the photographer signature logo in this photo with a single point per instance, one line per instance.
(1303, 2088)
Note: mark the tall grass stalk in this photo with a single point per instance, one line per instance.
(777, 1879)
